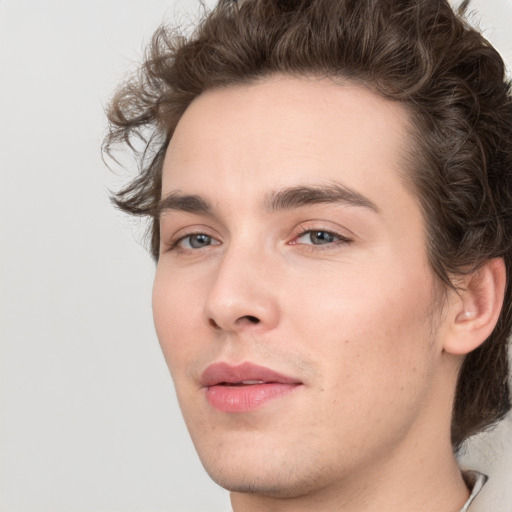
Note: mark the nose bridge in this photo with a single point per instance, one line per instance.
(241, 293)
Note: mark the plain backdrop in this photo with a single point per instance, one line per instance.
(89, 421)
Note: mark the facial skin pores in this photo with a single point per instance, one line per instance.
(293, 298)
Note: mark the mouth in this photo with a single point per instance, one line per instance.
(244, 388)
(243, 383)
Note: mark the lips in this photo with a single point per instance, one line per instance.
(244, 388)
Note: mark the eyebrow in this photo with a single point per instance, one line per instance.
(176, 201)
(299, 196)
(284, 199)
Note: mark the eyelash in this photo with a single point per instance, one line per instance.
(174, 243)
(340, 240)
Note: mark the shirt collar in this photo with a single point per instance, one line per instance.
(475, 481)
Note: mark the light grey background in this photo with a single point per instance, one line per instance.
(89, 421)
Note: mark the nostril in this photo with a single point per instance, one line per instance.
(213, 323)
(243, 319)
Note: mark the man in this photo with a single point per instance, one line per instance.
(330, 190)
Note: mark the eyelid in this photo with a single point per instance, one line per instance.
(322, 225)
(213, 241)
(343, 235)
(312, 226)
(183, 233)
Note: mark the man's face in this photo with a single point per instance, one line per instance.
(303, 253)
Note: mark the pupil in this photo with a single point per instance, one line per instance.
(198, 241)
(322, 237)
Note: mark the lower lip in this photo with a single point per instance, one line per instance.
(246, 398)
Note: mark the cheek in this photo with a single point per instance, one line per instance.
(176, 315)
(372, 344)
(367, 323)
(359, 300)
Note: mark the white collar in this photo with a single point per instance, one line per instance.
(475, 481)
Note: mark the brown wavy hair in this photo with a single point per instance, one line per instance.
(416, 52)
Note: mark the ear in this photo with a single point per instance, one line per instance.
(476, 307)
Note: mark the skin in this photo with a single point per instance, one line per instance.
(359, 319)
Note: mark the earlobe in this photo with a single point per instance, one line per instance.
(475, 312)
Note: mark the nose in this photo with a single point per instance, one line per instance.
(243, 293)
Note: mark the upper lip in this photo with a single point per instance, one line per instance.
(224, 373)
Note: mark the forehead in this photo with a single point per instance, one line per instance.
(242, 141)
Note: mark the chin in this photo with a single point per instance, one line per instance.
(263, 484)
(274, 476)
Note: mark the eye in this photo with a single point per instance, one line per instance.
(320, 237)
(195, 241)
